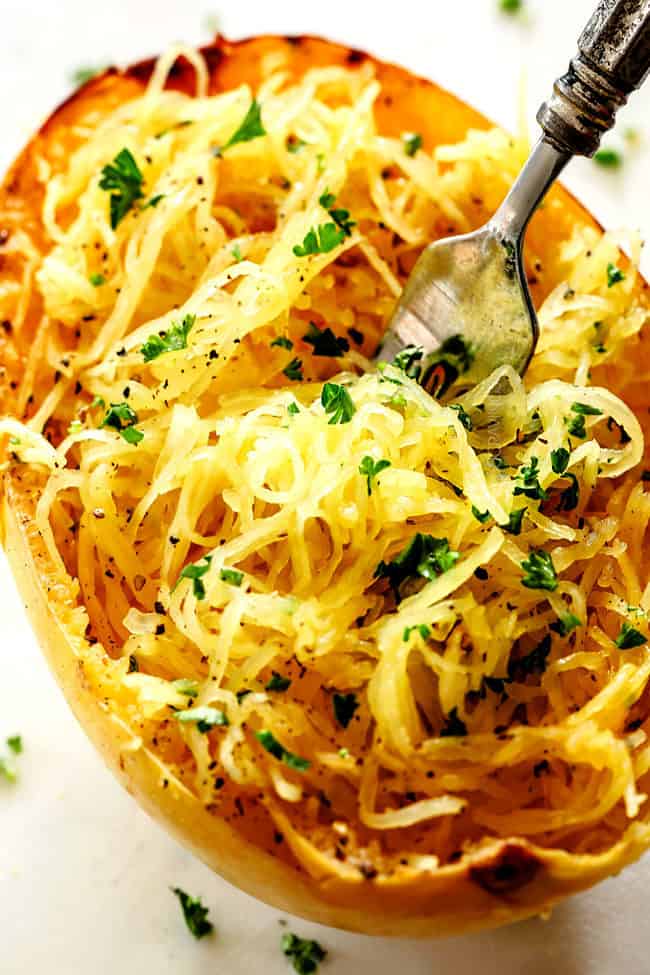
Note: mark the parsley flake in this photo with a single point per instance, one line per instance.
(325, 342)
(281, 342)
(320, 240)
(422, 628)
(123, 179)
(195, 571)
(463, 416)
(305, 955)
(424, 556)
(15, 743)
(345, 706)
(560, 460)
(570, 497)
(251, 128)
(340, 216)
(629, 638)
(204, 718)
(481, 516)
(173, 340)
(278, 682)
(529, 485)
(539, 571)
(513, 524)
(336, 401)
(97, 280)
(269, 742)
(195, 914)
(614, 275)
(566, 623)
(232, 576)
(608, 158)
(369, 468)
(294, 370)
(412, 142)
(121, 417)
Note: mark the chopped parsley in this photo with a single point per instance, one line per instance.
(409, 361)
(614, 275)
(236, 253)
(532, 663)
(123, 179)
(281, 342)
(575, 422)
(539, 571)
(186, 686)
(422, 628)
(251, 128)
(320, 240)
(513, 524)
(15, 743)
(153, 201)
(195, 571)
(608, 158)
(481, 516)
(529, 485)
(463, 416)
(424, 556)
(294, 370)
(293, 408)
(121, 417)
(204, 718)
(278, 682)
(8, 770)
(172, 340)
(345, 706)
(453, 727)
(560, 460)
(629, 638)
(232, 576)
(195, 914)
(325, 342)
(566, 623)
(370, 468)
(340, 216)
(269, 742)
(97, 280)
(337, 402)
(305, 955)
(412, 142)
(511, 6)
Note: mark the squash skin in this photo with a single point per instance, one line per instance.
(506, 880)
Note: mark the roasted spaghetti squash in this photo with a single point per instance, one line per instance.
(378, 658)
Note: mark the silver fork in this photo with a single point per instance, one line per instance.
(466, 308)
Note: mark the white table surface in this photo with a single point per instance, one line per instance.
(84, 874)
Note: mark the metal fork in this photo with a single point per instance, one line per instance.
(466, 308)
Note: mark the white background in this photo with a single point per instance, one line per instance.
(84, 874)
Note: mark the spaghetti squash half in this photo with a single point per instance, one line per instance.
(379, 659)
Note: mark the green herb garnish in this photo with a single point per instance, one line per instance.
(320, 240)
(340, 216)
(424, 556)
(269, 742)
(608, 158)
(337, 402)
(464, 417)
(369, 468)
(124, 179)
(97, 280)
(539, 571)
(412, 142)
(305, 955)
(560, 460)
(205, 718)
(232, 576)
(281, 342)
(481, 516)
(345, 706)
(570, 497)
(513, 524)
(173, 340)
(15, 743)
(186, 686)
(566, 623)
(325, 342)
(422, 628)
(195, 571)
(195, 914)
(122, 418)
(278, 682)
(614, 275)
(629, 638)
(250, 128)
(529, 485)
(294, 370)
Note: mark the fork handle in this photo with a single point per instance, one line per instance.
(613, 61)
